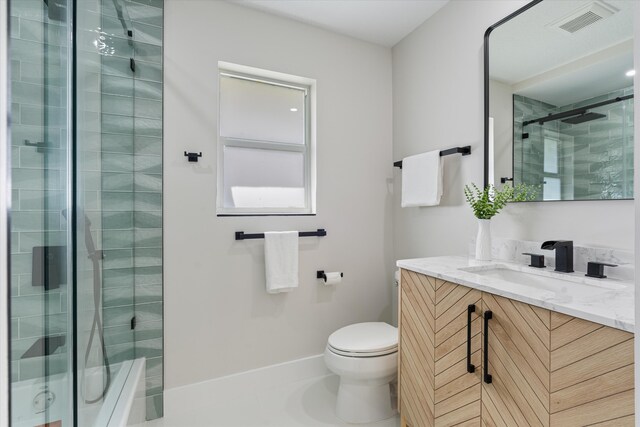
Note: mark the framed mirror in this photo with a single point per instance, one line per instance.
(559, 100)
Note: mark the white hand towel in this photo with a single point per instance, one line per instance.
(281, 261)
(422, 179)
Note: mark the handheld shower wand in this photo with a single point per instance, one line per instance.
(95, 256)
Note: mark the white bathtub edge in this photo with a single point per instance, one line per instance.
(130, 408)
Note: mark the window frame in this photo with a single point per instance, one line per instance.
(557, 175)
(307, 148)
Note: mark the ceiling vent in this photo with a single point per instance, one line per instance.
(583, 17)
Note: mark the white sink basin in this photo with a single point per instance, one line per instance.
(545, 281)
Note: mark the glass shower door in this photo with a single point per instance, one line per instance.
(86, 231)
(72, 229)
(41, 249)
(104, 204)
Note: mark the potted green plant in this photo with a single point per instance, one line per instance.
(486, 203)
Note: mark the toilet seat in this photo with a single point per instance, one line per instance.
(362, 354)
(369, 339)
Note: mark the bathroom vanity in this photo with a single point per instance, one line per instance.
(503, 344)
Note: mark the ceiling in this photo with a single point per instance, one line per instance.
(541, 61)
(383, 22)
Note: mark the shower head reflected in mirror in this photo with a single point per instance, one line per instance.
(582, 118)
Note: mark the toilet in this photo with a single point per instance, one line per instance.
(365, 357)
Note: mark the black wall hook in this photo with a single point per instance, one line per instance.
(193, 157)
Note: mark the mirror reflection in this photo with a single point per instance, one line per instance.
(561, 100)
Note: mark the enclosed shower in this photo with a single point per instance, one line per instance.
(579, 151)
(85, 259)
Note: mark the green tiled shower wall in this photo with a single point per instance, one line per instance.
(39, 86)
(120, 181)
(131, 196)
(595, 157)
(528, 153)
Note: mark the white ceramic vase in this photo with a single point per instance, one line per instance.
(483, 240)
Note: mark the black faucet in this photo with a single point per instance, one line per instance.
(564, 254)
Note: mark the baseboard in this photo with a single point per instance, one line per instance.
(261, 378)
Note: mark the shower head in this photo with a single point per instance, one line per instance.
(584, 117)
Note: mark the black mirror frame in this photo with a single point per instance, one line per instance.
(486, 81)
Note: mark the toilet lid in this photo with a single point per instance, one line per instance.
(369, 337)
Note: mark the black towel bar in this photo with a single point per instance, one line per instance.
(465, 151)
(320, 232)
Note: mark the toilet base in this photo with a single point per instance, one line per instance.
(364, 403)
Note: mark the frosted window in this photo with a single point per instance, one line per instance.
(551, 188)
(255, 178)
(261, 111)
(550, 155)
(265, 159)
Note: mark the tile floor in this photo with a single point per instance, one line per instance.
(308, 402)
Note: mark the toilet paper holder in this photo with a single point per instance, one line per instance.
(320, 275)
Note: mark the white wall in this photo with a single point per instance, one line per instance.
(438, 103)
(218, 318)
(501, 107)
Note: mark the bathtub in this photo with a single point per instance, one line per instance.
(35, 403)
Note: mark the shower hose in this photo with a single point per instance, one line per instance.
(95, 256)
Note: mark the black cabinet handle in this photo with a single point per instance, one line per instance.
(470, 366)
(487, 316)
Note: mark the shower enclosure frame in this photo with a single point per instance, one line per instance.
(78, 27)
(5, 205)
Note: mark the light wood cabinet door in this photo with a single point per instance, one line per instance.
(458, 343)
(591, 374)
(437, 333)
(550, 369)
(518, 358)
(416, 378)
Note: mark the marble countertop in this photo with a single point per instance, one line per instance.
(609, 302)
